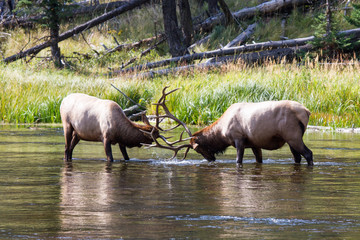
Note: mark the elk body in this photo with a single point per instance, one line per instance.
(88, 118)
(264, 125)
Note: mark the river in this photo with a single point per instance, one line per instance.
(150, 197)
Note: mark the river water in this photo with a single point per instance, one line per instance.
(150, 197)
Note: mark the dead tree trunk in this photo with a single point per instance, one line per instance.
(229, 19)
(186, 21)
(174, 40)
(54, 26)
(103, 18)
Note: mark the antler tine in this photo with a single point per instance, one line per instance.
(161, 103)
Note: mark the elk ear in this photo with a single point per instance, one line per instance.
(145, 119)
(195, 146)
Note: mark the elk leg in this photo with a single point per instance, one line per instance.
(308, 155)
(108, 151)
(68, 131)
(124, 153)
(239, 151)
(302, 149)
(297, 156)
(75, 140)
(258, 154)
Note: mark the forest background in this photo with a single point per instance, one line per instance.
(321, 72)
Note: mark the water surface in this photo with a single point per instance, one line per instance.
(152, 197)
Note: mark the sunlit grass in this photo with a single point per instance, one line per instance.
(331, 92)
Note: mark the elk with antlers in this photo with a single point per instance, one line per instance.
(264, 125)
(88, 118)
(92, 119)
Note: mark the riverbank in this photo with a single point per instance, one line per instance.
(331, 92)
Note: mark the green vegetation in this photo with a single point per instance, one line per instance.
(31, 91)
(331, 92)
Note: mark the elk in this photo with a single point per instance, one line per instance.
(89, 118)
(264, 125)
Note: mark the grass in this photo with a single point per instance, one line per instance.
(331, 92)
(31, 92)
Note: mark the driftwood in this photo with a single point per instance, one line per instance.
(355, 33)
(85, 26)
(262, 9)
(12, 21)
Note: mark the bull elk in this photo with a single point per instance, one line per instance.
(264, 125)
(92, 119)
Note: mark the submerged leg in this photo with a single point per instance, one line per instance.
(301, 148)
(124, 153)
(258, 154)
(239, 151)
(297, 156)
(75, 140)
(68, 131)
(108, 151)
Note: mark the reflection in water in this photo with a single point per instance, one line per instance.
(41, 197)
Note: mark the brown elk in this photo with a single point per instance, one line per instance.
(92, 119)
(264, 125)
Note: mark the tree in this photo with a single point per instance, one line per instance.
(174, 37)
(186, 21)
(52, 12)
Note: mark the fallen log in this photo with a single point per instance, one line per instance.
(243, 37)
(355, 33)
(160, 37)
(240, 39)
(85, 26)
(277, 55)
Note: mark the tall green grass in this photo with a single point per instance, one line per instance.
(331, 92)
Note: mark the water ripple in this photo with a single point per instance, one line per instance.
(267, 221)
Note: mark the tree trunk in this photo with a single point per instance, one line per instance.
(85, 26)
(54, 32)
(186, 21)
(176, 46)
(213, 6)
(228, 15)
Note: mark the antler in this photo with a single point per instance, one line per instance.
(161, 103)
(169, 145)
